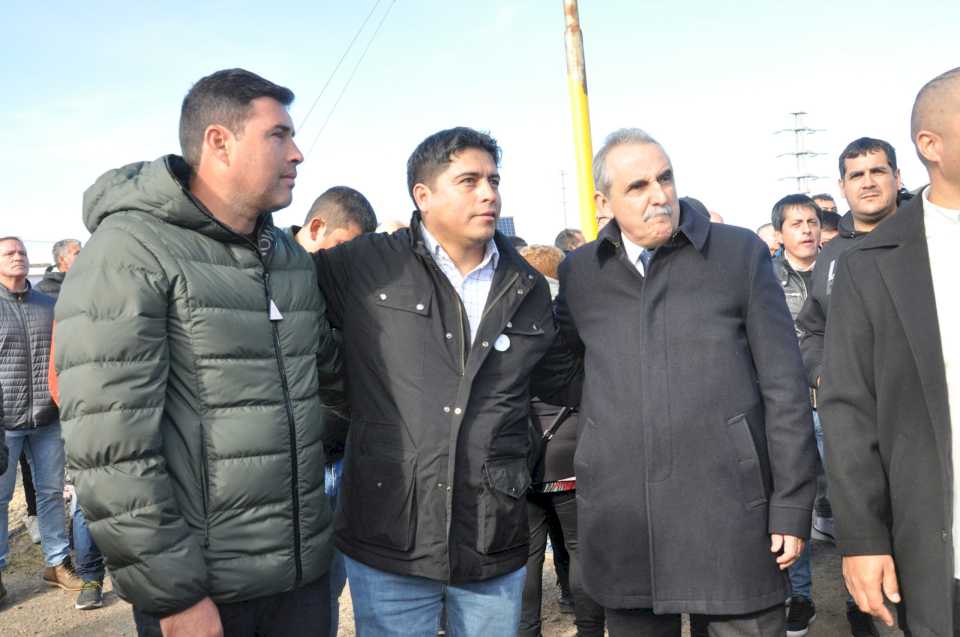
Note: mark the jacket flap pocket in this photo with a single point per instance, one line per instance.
(404, 298)
(509, 476)
(523, 327)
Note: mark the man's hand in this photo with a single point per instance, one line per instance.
(790, 546)
(868, 578)
(200, 620)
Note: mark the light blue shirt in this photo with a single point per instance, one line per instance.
(474, 288)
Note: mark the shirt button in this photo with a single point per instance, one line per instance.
(379, 484)
(484, 344)
(944, 536)
(520, 291)
(420, 307)
(446, 409)
(449, 336)
(383, 297)
(458, 411)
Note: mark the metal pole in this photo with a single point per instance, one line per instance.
(577, 84)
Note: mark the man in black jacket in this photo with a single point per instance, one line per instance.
(696, 461)
(65, 253)
(891, 391)
(443, 324)
(870, 180)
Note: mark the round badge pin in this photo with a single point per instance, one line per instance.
(502, 343)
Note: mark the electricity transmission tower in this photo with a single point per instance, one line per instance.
(801, 153)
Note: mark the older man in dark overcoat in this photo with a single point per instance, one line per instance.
(696, 459)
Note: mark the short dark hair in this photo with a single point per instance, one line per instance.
(567, 238)
(824, 195)
(222, 98)
(342, 206)
(830, 221)
(433, 154)
(864, 145)
(779, 208)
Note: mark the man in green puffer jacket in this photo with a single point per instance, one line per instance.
(194, 361)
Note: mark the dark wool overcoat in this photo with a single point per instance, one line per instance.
(886, 418)
(696, 440)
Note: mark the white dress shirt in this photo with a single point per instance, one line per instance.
(942, 227)
(633, 254)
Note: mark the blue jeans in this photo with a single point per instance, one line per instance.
(332, 475)
(390, 605)
(89, 559)
(44, 448)
(801, 578)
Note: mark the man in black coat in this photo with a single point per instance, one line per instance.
(891, 391)
(443, 325)
(696, 460)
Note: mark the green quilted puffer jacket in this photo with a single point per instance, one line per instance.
(193, 421)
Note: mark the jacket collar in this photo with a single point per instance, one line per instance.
(8, 295)
(694, 228)
(508, 261)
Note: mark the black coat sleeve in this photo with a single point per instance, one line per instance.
(333, 276)
(791, 447)
(858, 482)
(558, 379)
(812, 323)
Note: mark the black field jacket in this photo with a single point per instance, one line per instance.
(436, 463)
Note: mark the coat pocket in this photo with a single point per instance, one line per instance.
(502, 509)
(381, 505)
(749, 472)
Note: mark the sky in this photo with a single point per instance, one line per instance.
(92, 86)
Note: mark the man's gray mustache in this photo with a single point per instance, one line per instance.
(654, 211)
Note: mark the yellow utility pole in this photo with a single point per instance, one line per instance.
(577, 84)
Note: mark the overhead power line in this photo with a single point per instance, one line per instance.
(339, 63)
(350, 77)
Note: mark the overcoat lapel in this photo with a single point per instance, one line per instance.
(906, 272)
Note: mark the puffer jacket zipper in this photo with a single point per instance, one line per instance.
(294, 459)
(28, 347)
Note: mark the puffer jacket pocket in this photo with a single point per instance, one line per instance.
(502, 511)
(749, 472)
(382, 501)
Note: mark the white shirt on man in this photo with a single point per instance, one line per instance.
(942, 226)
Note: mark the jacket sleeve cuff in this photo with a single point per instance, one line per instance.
(865, 546)
(791, 521)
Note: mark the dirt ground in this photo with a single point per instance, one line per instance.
(34, 609)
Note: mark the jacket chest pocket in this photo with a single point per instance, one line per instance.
(518, 335)
(400, 323)
(502, 523)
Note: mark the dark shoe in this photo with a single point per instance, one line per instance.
(861, 624)
(3, 591)
(91, 596)
(64, 576)
(565, 602)
(800, 615)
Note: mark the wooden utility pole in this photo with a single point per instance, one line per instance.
(577, 84)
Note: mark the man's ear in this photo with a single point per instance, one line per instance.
(930, 146)
(318, 229)
(217, 143)
(602, 203)
(421, 196)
